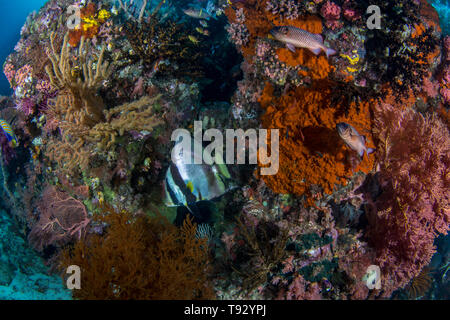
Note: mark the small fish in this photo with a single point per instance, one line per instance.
(202, 31)
(353, 139)
(193, 39)
(298, 38)
(9, 133)
(197, 13)
(203, 23)
(186, 184)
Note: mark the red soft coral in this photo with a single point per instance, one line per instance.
(413, 209)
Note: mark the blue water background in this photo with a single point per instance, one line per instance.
(443, 8)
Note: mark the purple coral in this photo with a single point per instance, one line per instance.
(445, 82)
(237, 30)
(62, 219)
(413, 208)
(350, 13)
(27, 106)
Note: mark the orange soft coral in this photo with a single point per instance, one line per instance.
(91, 20)
(259, 22)
(311, 152)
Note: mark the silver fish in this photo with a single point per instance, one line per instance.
(197, 13)
(353, 139)
(188, 183)
(298, 38)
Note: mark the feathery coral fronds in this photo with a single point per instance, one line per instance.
(138, 115)
(141, 257)
(62, 219)
(415, 204)
(87, 107)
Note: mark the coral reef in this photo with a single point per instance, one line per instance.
(94, 110)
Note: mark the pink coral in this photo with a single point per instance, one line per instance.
(62, 219)
(287, 9)
(445, 80)
(23, 74)
(414, 205)
(300, 289)
(9, 72)
(430, 87)
(237, 30)
(27, 106)
(331, 12)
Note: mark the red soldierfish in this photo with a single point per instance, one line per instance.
(353, 139)
(298, 38)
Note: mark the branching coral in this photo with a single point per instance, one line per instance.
(70, 155)
(414, 207)
(141, 257)
(86, 107)
(237, 30)
(287, 9)
(74, 149)
(62, 219)
(164, 47)
(135, 116)
(264, 248)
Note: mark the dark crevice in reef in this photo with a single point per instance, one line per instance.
(221, 65)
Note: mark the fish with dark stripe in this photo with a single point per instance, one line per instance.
(9, 132)
(188, 183)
